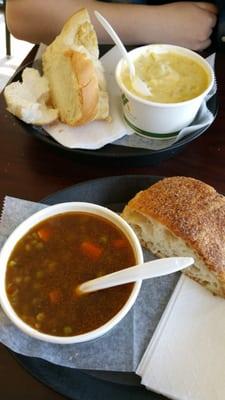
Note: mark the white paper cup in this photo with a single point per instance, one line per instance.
(160, 121)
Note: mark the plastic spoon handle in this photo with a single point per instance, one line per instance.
(150, 269)
(117, 40)
(138, 84)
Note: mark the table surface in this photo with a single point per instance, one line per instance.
(31, 169)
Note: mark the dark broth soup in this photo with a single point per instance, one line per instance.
(53, 258)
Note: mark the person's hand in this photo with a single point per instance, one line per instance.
(188, 24)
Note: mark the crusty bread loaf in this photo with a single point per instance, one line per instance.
(28, 100)
(75, 74)
(181, 216)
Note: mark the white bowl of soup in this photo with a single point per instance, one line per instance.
(48, 255)
(178, 80)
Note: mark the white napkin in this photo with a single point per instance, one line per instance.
(185, 359)
(99, 133)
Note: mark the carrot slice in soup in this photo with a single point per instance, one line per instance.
(91, 250)
(44, 234)
(55, 296)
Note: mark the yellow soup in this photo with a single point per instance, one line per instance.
(171, 77)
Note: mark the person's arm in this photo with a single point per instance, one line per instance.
(188, 24)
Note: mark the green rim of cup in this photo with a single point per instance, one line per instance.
(150, 134)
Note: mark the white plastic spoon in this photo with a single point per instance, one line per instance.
(150, 269)
(138, 84)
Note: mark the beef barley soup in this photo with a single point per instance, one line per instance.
(57, 255)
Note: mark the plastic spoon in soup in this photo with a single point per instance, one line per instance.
(147, 270)
(138, 84)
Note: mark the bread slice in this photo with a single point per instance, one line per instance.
(28, 100)
(75, 74)
(181, 216)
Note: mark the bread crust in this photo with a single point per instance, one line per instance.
(193, 211)
(87, 81)
(77, 30)
(71, 65)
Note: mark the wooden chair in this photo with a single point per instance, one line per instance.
(7, 33)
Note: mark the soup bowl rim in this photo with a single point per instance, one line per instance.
(31, 222)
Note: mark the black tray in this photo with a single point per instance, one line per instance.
(116, 154)
(112, 192)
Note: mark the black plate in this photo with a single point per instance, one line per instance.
(112, 192)
(116, 154)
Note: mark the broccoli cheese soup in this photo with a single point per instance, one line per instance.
(170, 76)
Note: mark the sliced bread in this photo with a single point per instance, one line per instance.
(29, 99)
(75, 74)
(182, 216)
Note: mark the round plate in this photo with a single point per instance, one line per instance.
(116, 153)
(114, 193)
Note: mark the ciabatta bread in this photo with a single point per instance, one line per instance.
(182, 216)
(75, 74)
(28, 100)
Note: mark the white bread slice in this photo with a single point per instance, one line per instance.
(181, 216)
(28, 99)
(75, 74)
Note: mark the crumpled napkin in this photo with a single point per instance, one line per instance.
(97, 134)
(185, 359)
